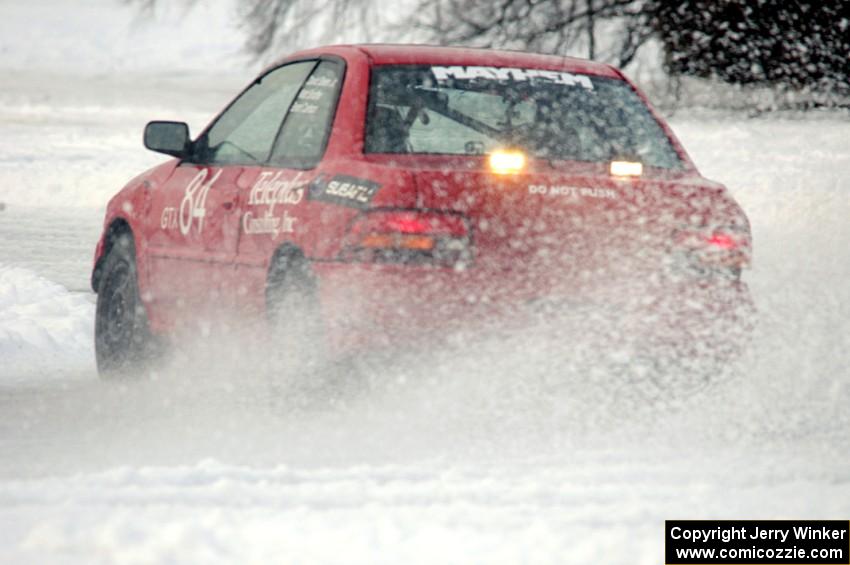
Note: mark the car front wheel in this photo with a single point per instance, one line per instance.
(122, 337)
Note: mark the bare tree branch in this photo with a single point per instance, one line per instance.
(553, 26)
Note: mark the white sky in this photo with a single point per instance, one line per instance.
(95, 37)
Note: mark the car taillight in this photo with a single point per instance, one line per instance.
(713, 249)
(722, 241)
(409, 236)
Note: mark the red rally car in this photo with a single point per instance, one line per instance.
(381, 196)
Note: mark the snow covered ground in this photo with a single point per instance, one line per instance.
(466, 461)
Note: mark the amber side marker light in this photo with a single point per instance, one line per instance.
(626, 168)
(402, 241)
(506, 162)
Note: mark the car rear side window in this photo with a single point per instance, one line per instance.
(552, 115)
(245, 132)
(305, 131)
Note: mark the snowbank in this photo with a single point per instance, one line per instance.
(45, 331)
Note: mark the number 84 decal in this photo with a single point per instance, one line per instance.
(191, 206)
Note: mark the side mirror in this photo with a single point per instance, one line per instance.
(171, 138)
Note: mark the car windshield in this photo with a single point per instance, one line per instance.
(553, 115)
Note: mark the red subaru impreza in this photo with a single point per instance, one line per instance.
(377, 196)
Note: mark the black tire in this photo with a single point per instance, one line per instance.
(123, 342)
(292, 308)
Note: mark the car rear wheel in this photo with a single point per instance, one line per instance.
(292, 308)
(709, 331)
(122, 337)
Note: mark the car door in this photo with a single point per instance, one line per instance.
(192, 252)
(276, 209)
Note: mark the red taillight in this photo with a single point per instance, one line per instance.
(406, 236)
(410, 222)
(722, 241)
(718, 248)
(718, 239)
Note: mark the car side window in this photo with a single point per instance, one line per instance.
(245, 132)
(305, 131)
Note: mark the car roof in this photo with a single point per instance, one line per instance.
(412, 54)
